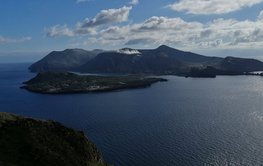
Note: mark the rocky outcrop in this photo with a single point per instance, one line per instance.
(31, 142)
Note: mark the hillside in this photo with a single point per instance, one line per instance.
(240, 64)
(30, 142)
(63, 60)
(162, 60)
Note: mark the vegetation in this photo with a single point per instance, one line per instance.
(30, 142)
(54, 83)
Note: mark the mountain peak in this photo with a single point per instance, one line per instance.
(74, 50)
(164, 47)
(129, 51)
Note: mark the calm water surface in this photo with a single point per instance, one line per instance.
(183, 121)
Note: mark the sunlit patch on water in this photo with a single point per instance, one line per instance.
(256, 116)
(225, 159)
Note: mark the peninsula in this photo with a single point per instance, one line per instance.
(65, 82)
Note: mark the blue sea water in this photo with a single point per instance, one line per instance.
(184, 121)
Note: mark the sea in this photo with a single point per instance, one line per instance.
(185, 121)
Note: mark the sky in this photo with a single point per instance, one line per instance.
(30, 29)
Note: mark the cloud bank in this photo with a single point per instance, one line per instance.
(109, 28)
(206, 7)
(89, 26)
(106, 17)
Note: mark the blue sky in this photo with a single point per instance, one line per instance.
(205, 26)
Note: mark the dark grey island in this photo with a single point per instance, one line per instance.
(59, 83)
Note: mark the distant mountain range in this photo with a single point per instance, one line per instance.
(162, 60)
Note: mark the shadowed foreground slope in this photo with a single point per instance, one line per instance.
(29, 142)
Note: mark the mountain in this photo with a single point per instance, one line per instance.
(240, 64)
(210, 72)
(188, 57)
(162, 60)
(30, 142)
(63, 60)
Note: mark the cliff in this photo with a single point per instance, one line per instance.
(30, 142)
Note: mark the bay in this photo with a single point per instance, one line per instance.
(185, 121)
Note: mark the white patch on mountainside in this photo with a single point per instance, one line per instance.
(129, 51)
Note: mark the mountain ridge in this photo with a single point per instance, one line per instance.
(161, 60)
(63, 60)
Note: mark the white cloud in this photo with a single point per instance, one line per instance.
(90, 27)
(59, 30)
(206, 7)
(107, 17)
(134, 2)
(155, 30)
(220, 33)
(4, 40)
(260, 16)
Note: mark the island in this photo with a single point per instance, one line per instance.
(210, 72)
(31, 142)
(163, 60)
(66, 82)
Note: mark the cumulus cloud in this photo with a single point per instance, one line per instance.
(206, 33)
(134, 2)
(255, 35)
(161, 23)
(90, 26)
(4, 40)
(260, 16)
(107, 17)
(207, 44)
(59, 30)
(206, 7)
(220, 33)
(155, 30)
